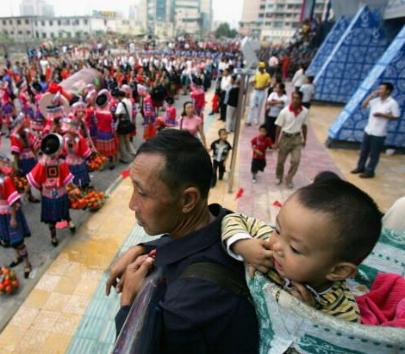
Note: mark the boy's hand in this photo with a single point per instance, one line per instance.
(258, 152)
(255, 252)
(302, 293)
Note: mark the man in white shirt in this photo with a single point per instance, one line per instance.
(291, 137)
(383, 108)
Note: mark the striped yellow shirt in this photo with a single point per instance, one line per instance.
(337, 301)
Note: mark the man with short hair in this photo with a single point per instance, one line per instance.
(262, 81)
(291, 137)
(171, 177)
(383, 108)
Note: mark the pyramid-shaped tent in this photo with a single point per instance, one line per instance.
(353, 56)
(327, 46)
(350, 124)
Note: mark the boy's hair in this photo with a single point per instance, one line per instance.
(169, 100)
(325, 176)
(263, 126)
(354, 213)
(310, 79)
(221, 130)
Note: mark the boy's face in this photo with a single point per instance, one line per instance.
(223, 135)
(262, 132)
(303, 244)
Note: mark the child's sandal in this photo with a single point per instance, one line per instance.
(27, 271)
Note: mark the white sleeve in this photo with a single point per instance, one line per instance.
(120, 109)
(395, 109)
(232, 240)
(280, 119)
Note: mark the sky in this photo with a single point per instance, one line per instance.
(224, 10)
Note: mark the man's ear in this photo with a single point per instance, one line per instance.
(341, 271)
(191, 197)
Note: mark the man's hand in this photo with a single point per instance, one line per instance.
(255, 252)
(379, 115)
(116, 277)
(302, 293)
(135, 276)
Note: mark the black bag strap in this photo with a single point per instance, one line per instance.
(126, 110)
(218, 274)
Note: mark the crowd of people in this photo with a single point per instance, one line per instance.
(54, 132)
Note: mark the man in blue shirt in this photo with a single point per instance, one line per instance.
(171, 177)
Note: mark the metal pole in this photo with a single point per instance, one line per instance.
(239, 113)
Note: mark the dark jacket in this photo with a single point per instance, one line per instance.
(199, 316)
(233, 96)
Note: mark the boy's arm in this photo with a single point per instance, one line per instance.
(236, 227)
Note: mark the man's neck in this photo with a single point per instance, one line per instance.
(196, 220)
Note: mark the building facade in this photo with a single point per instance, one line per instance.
(30, 28)
(274, 20)
(36, 8)
(176, 17)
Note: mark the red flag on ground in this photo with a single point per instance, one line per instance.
(277, 204)
(125, 174)
(239, 193)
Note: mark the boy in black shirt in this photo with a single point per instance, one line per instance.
(220, 148)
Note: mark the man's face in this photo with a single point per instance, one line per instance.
(296, 100)
(156, 208)
(384, 92)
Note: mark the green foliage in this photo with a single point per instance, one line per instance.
(224, 30)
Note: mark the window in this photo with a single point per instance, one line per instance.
(78, 34)
(4, 22)
(5, 32)
(12, 33)
(18, 22)
(50, 23)
(261, 15)
(75, 22)
(67, 22)
(43, 23)
(28, 33)
(20, 33)
(36, 34)
(262, 7)
(60, 34)
(85, 22)
(69, 35)
(59, 23)
(27, 22)
(43, 35)
(10, 22)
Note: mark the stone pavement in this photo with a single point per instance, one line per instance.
(67, 310)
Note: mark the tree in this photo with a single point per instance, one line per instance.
(224, 30)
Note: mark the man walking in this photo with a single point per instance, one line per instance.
(383, 108)
(262, 81)
(291, 137)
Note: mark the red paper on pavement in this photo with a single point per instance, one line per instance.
(239, 193)
(277, 204)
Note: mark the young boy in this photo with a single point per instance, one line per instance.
(260, 144)
(323, 232)
(220, 148)
(308, 91)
